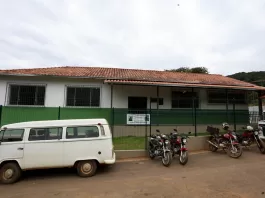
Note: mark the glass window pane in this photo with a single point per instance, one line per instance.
(82, 132)
(182, 99)
(95, 97)
(53, 133)
(14, 91)
(27, 95)
(13, 135)
(40, 95)
(82, 97)
(70, 99)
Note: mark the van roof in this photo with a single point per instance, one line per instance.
(52, 123)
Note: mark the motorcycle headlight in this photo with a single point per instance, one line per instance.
(184, 140)
(167, 142)
(256, 132)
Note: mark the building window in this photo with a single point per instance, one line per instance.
(82, 132)
(26, 95)
(219, 97)
(160, 101)
(37, 134)
(184, 99)
(83, 96)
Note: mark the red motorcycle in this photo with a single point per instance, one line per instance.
(178, 146)
(227, 142)
(251, 136)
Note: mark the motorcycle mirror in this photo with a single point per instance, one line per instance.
(189, 132)
(157, 130)
(175, 130)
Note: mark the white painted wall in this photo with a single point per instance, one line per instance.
(2, 91)
(122, 92)
(55, 89)
(55, 92)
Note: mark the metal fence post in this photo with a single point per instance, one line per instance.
(59, 113)
(195, 117)
(234, 114)
(112, 121)
(1, 110)
(150, 125)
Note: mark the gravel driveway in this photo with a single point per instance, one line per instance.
(205, 175)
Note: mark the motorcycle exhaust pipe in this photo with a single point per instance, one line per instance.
(212, 143)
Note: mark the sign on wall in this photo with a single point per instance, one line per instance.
(138, 119)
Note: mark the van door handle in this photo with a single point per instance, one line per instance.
(20, 148)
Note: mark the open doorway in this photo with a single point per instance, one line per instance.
(137, 104)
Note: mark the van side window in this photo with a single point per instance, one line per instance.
(12, 135)
(82, 132)
(54, 133)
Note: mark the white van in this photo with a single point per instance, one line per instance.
(79, 143)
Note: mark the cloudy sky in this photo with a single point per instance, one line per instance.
(225, 36)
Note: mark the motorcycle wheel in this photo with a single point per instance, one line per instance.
(183, 158)
(237, 152)
(211, 147)
(261, 148)
(167, 159)
(151, 154)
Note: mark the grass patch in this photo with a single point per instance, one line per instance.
(138, 143)
(129, 143)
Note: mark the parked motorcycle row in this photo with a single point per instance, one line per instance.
(168, 146)
(232, 142)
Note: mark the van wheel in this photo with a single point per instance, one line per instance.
(10, 173)
(86, 168)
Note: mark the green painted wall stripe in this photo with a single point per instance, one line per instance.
(118, 117)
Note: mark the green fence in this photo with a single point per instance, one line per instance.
(128, 136)
(185, 116)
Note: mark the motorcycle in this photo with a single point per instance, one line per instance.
(250, 136)
(159, 146)
(178, 146)
(227, 142)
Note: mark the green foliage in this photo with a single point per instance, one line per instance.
(201, 70)
(250, 77)
(257, 77)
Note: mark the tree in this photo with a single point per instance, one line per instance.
(201, 70)
(181, 69)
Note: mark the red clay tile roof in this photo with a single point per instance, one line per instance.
(134, 82)
(130, 74)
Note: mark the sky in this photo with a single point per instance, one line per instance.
(226, 36)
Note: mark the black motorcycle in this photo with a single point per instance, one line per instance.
(178, 146)
(159, 146)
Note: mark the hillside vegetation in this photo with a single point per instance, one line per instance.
(250, 77)
(257, 77)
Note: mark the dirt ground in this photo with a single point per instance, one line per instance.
(205, 175)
